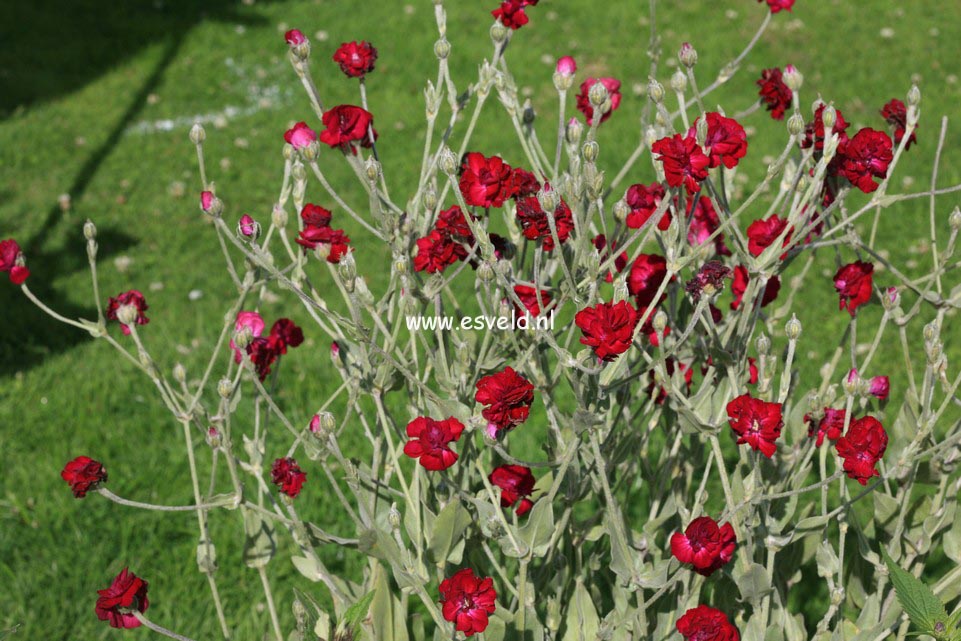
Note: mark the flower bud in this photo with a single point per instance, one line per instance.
(655, 91)
(931, 331)
(210, 204)
(548, 198)
(795, 124)
(447, 161)
(348, 267)
(914, 96)
(248, 228)
(243, 337)
(564, 73)
(485, 272)
(700, 131)
(289, 152)
(590, 151)
(179, 373)
(213, 437)
(442, 49)
(89, 230)
(659, 323)
(279, 216)
(225, 388)
(933, 350)
(326, 423)
(401, 264)
(890, 299)
(650, 136)
(621, 210)
(197, 134)
(298, 43)
(574, 131)
(598, 94)
(763, 344)
(498, 32)
(528, 114)
(145, 360)
(687, 55)
(679, 81)
(793, 328)
(954, 220)
(792, 78)
(430, 198)
(829, 117)
(393, 517)
(372, 169)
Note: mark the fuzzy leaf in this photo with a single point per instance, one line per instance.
(582, 621)
(259, 544)
(754, 584)
(828, 562)
(449, 526)
(307, 566)
(537, 532)
(916, 598)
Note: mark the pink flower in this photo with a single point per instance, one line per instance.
(880, 387)
(566, 66)
(247, 226)
(779, 5)
(247, 320)
(300, 135)
(295, 37)
(10, 256)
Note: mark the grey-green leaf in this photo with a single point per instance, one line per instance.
(449, 526)
(259, 544)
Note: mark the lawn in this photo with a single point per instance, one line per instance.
(95, 106)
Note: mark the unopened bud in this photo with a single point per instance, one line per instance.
(145, 360)
(243, 337)
(348, 267)
(933, 350)
(213, 437)
(197, 134)
(795, 124)
(890, 299)
(372, 169)
(793, 328)
(792, 78)
(564, 73)
(179, 373)
(597, 94)
(954, 220)
(89, 230)
(498, 32)
(590, 151)
(574, 131)
(210, 204)
(279, 216)
(430, 198)
(528, 114)
(687, 55)
(485, 272)
(326, 423)
(225, 388)
(762, 344)
(288, 152)
(655, 91)
(401, 265)
(442, 49)
(852, 383)
(679, 82)
(829, 116)
(447, 161)
(311, 151)
(621, 210)
(393, 517)
(931, 331)
(248, 228)
(914, 96)
(660, 322)
(700, 131)
(127, 314)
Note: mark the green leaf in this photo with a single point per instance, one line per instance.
(307, 566)
(5, 633)
(582, 620)
(537, 532)
(916, 598)
(828, 562)
(449, 526)
(754, 584)
(259, 543)
(355, 615)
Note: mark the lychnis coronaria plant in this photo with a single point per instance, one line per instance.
(618, 444)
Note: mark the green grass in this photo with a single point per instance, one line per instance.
(83, 77)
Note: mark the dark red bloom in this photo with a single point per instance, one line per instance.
(831, 425)
(670, 366)
(774, 93)
(896, 115)
(263, 354)
(453, 223)
(854, 283)
(529, 298)
(739, 286)
(779, 5)
(708, 280)
(127, 592)
(485, 182)
(684, 161)
(726, 140)
(315, 215)
(356, 59)
(644, 201)
(608, 328)
(335, 240)
(295, 37)
(861, 447)
(437, 251)
(523, 183)
(285, 333)
(83, 474)
(647, 273)
(287, 475)
(704, 623)
(752, 370)
(535, 226)
(467, 601)
(300, 135)
(346, 124)
(430, 441)
(814, 131)
(613, 86)
(600, 243)
(761, 234)
(704, 545)
(756, 422)
(865, 157)
(511, 13)
(508, 397)
(132, 298)
(9, 253)
(516, 483)
(704, 222)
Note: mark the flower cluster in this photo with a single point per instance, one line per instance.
(317, 234)
(263, 351)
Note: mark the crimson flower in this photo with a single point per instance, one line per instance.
(516, 483)
(9, 255)
(608, 328)
(708, 280)
(779, 5)
(430, 441)
(704, 545)
(511, 13)
(453, 223)
(600, 243)
(335, 241)
(346, 124)
(127, 592)
(861, 447)
(739, 286)
(703, 223)
(83, 474)
(485, 182)
(508, 397)
(756, 422)
(437, 251)
(865, 157)
(726, 140)
(644, 201)
(532, 299)
(315, 215)
(762, 233)
(295, 37)
(613, 86)
(535, 226)
(896, 115)
(684, 161)
(775, 95)
(814, 131)
(287, 475)
(285, 333)
(356, 59)
(467, 601)
(854, 283)
(133, 299)
(300, 135)
(523, 183)
(704, 623)
(648, 271)
(831, 425)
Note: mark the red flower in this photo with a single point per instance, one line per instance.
(511, 13)
(684, 161)
(485, 182)
(814, 131)
(516, 483)
(436, 251)
(523, 183)
(83, 474)
(608, 328)
(356, 59)
(134, 299)
(778, 5)
(534, 224)
(709, 279)
(896, 115)
(9, 255)
(670, 365)
(774, 93)
(862, 447)
(705, 545)
(529, 298)
(880, 387)
(285, 333)
(346, 124)
(600, 243)
(726, 140)
(453, 223)
(288, 476)
(508, 397)
(613, 86)
(315, 215)
(704, 623)
(854, 284)
(756, 422)
(127, 592)
(295, 37)
(300, 135)
(647, 273)
(430, 441)
(830, 425)
(263, 354)
(739, 286)
(761, 234)
(752, 370)
(467, 601)
(644, 201)
(335, 240)
(864, 157)
(704, 222)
